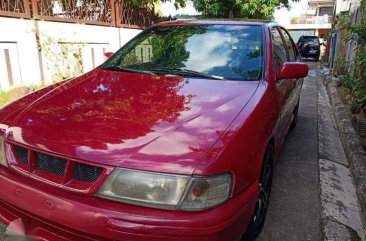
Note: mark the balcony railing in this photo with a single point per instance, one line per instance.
(82, 11)
(321, 1)
(15, 8)
(325, 19)
(119, 13)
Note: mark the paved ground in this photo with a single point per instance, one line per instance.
(2, 232)
(294, 210)
(340, 214)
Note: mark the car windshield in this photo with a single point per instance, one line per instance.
(233, 52)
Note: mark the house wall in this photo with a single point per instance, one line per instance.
(18, 41)
(21, 64)
(341, 50)
(355, 16)
(297, 33)
(303, 16)
(342, 5)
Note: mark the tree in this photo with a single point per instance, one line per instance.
(177, 3)
(255, 9)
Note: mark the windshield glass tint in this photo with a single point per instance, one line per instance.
(309, 39)
(232, 52)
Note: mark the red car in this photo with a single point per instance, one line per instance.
(174, 137)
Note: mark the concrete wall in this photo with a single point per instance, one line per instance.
(19, 41)
(297, 33)
(342, 6)
(355, 15)
(354, 5)
(21, 64)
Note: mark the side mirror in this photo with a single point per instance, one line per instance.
(292, 70)
(108, 54)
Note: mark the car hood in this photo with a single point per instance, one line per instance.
(139, 121)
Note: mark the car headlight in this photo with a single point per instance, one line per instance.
(165, 191)
(2, 153)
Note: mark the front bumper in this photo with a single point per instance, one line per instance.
(50, 214)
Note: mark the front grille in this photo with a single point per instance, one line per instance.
(57, 170)
(51, 164)
(87, 173)
(22, 154)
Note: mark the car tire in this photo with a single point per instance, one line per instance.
(296, 116)
(265, 183)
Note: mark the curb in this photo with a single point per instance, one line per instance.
(2, 232)
(354, 151)
(336, 231)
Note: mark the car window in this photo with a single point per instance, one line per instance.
(279, 50)
(290, 46)
(232, 52)
(308, 39)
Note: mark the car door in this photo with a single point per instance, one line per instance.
(283, 87)
(293, 84)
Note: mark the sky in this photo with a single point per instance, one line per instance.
(284, 15)
(168, 8)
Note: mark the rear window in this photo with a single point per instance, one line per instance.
(233, 52)
(309, 39)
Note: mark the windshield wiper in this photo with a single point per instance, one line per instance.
(182, 71)
(121, 69)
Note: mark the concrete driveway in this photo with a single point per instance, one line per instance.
(294, 208)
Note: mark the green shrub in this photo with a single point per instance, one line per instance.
(348, 82)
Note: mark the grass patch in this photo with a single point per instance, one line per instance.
(13, 94)
(4, 97)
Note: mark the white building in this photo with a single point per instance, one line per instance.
(306, 17)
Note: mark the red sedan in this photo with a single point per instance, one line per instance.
(174, 137)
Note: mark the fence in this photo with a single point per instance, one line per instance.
(116, 13)
(128, 15)
(15, 8)
(33, 51)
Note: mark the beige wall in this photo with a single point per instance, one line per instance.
(22, 65)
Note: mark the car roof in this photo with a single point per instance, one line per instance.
(308, 36)
(218, 22)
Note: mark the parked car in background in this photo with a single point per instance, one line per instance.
(174, 137)
(309, 47)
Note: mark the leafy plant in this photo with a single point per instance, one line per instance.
(356, 80)
(343, 20)
(254, 9)
(64, 59)
(341, 67)
(348, 82)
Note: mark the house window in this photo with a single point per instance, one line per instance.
(326, 10)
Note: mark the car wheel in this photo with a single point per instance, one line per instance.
(265, 182)
(296, 115)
